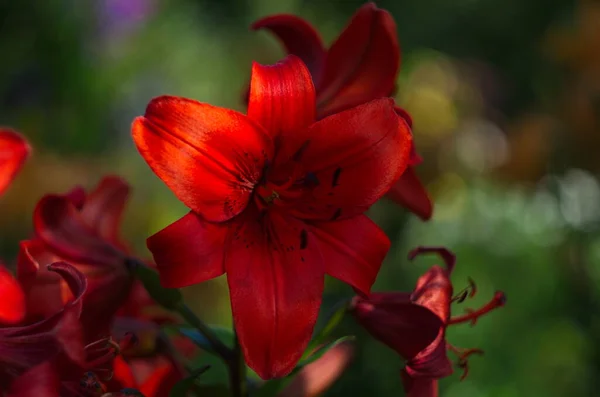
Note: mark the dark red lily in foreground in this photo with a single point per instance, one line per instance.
(28, 345)
(360, 66)
(401, 319)
(14, 150)
(82, 229)
(276, 201)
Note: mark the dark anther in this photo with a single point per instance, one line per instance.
(337, 214)
(303, 239)
(263, 177)
(311, 179)
(336, 177)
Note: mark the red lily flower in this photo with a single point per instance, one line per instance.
(83, 230)
(360, 66)
(398, 319)
(277, 201)
(14, 150)
(25, 346)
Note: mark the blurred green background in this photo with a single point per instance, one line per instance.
(505, 95)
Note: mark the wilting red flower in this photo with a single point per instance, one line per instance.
(360, 66)
(83, 230)
(398, 319)
(14, 150)
(26, 346)
(276, 201)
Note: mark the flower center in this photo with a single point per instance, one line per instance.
(280, 186)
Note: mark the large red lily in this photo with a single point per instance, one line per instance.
(14, 150)
(82, 229)
(25, 346)
(276, 201)
(400, 319)
(360, 66)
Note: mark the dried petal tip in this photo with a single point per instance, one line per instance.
(463, 358)
(472, 316)
(444, 253)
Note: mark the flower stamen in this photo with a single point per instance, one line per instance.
(472, 316)
(463, 358)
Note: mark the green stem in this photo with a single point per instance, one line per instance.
(219, 347)
(237, 372)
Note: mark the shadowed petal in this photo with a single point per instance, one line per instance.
(362, 64)
(14, 150)
(282, 98)
(208, 156)
(12, 303)
(189, 251)
(103, 208)
(410, 193)
(353, 250)
(275, 275)
(299, 38)
(354, 157)
(60, 225)
(431, 362)
(419, 387)
(40, 380)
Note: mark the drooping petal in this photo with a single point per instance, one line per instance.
(40, 380)
(14, 150)
(393, 319)
(353, 250)
(104, 206)
(353, 158)
(210, 157)
(299, 38)
(410, 193)
(282, 98)
(431, 362)
(189, 251)
(275, 274)
(434, 291)
(12, 303)
(362, 64)
(419, 387)
(60, 225)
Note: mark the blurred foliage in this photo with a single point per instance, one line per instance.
(504, 95)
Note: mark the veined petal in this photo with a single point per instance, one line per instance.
(362, 64)
(14, 150)
(104, 206)
(354, 157)
(275, 274)
(299, 38)
(410, 193)
(353, 250)
(282, 98)
(210, 157)
(60, 226)
(434, 291)
(189, 251)
(12, 304)
(40, 380)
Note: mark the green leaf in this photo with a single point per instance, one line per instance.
(181, 388)
(169, 298)
(218, 374)
(224, 334)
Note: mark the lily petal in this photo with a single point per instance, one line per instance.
(434, 291)
(189, 251)
(362, 64)
(60, 225)
(275, 274)
(161, 381)
(103, 208)
(190, 144)
(40, 380)
(299, 38)
(14, 150)
(282, 98)
(419, 387)
(12, 304)
(353, 250)
(410, 193)
(431, 362)
(354, 157)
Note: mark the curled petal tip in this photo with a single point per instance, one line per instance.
(444, 253)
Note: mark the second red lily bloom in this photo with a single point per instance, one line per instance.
(276, 201)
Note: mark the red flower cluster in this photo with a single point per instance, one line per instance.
(414, 324)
